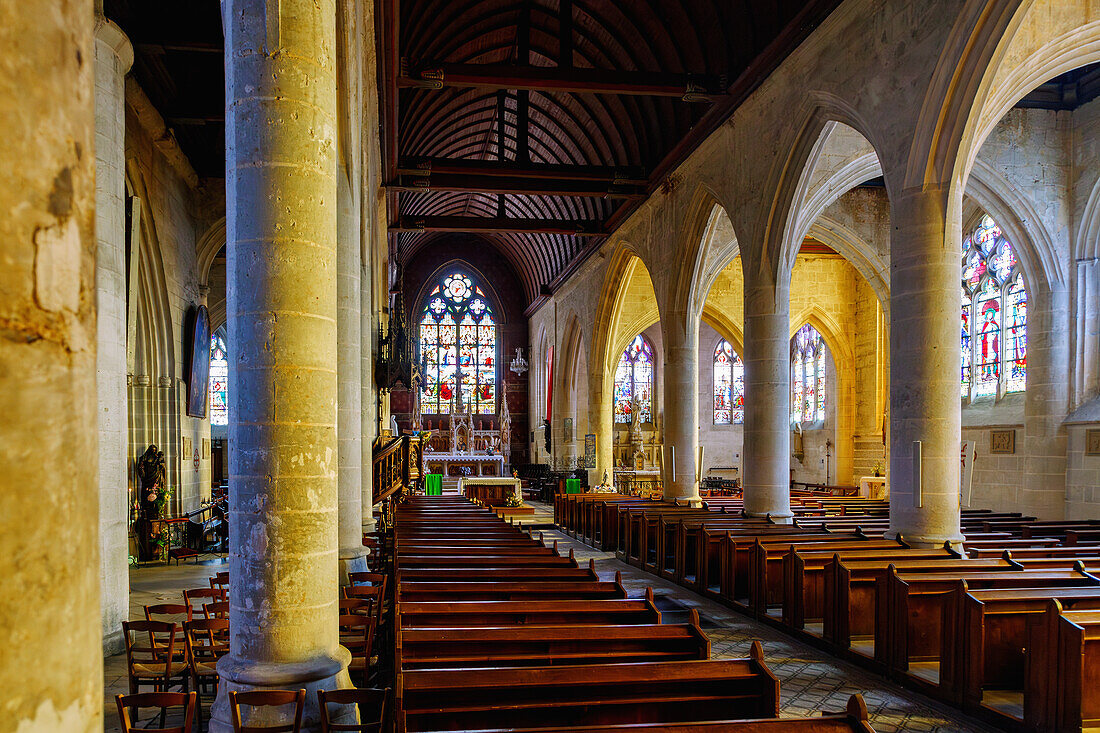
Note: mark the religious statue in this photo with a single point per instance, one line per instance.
(505, 429)
(635, 415)
(417, 411)
(153, 495)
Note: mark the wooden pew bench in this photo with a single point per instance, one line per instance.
(804, 595)
(586, 695)
(917, 606)
(854, 619)
(513, 613)
(988, 650)
(854, 720)
(509, 591)
(522, 646)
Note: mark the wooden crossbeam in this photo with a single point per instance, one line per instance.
(498, 225)
(519, 186)
(687, 87)
(509, 169)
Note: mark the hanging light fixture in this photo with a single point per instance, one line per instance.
(519, 364)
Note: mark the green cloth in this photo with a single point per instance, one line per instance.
(572, 486)
(433, 484)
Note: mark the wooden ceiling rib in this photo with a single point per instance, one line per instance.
(536, 126)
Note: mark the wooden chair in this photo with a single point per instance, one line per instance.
(357, 636)
(207, 640)
(357, 606)
(162, 700)
(220, 581)
(370, 701)
(217, 609)
(196, 598)
(176, 613)
(267, 698)
(154, 662)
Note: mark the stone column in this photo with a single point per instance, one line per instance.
(766, 455)
(601, 421)
(349, 366)
(1043, 493)
(681, 392)
(113, 57)
(281, 215)
(50, 629)
(369, 393)
(925, 273)
(349, 324)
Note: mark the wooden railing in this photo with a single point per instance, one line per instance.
(397, 463)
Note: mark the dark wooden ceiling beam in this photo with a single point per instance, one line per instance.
(519, 186)
(509, 169)
(496, 225)
(687, 87)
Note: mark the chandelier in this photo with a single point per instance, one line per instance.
(519, 364)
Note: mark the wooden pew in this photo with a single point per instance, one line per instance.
(854, 620)
(586, 695)
(524, 646)
(917, 607)
(509, 591)
(1063, 672)
(803, 567)
(853, 719)
(987, 646)
(545, 613)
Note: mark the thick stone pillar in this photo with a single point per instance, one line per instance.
(113, 57)
(925, 273)
(50, 633)
(681, 406)
(766, 455)
(281, 229)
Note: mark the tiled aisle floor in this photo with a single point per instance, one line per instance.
(810, 680)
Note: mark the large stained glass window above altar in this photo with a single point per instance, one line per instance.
(458, 347)
(634, 376)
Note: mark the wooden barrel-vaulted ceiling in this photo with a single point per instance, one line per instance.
(536, 125)
(541, 124)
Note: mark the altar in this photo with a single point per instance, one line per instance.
(490, 491)
(464, 451)
(456, 466)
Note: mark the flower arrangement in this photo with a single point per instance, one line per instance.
(513, 501)
(877, 469)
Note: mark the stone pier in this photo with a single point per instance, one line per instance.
(50, 632)
(282, 265)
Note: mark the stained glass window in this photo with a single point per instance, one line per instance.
(994, 315)
(729, 385)
(219, 380)
(458, 348)
(807, 375)
(634, 376)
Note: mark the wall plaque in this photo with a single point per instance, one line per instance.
(1092, 443)
(1002, 441)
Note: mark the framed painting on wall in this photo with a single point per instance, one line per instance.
(198, 376)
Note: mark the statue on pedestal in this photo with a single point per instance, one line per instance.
(635, 417)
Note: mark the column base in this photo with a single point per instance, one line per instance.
(353, 562)
(776, 517)
(922, 541)
(695, 502)
(237, 675)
